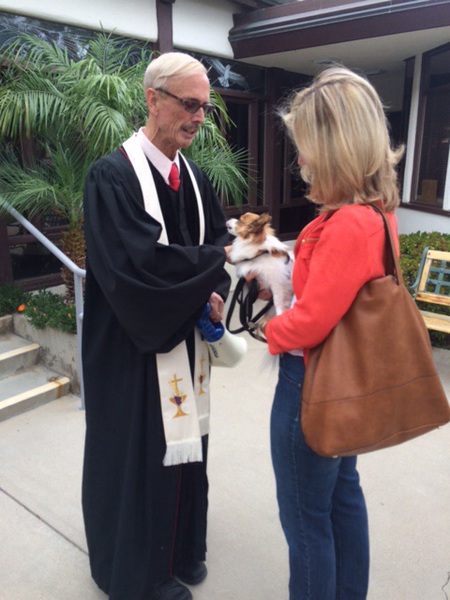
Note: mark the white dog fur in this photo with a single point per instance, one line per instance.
(257, 250)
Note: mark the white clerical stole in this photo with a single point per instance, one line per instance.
(184, 403)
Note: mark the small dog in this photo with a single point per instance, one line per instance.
(257, 250)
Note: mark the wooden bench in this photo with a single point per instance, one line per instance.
(433, 285)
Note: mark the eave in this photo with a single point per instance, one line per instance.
(312, 23)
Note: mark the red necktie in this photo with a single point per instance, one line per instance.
(174, 177)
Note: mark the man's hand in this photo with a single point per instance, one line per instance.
(228, 251)
(217, 305)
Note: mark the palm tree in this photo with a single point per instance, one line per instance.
(60, 111)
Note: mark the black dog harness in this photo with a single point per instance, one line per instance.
(246, 301)
(246, 294)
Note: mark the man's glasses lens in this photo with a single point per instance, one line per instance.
(192, 106)
(189, 104)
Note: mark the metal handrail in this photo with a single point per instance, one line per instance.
(78, 275)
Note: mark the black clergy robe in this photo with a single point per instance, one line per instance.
(142, 298)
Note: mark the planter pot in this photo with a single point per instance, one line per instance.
(58, 349)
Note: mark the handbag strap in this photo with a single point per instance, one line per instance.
(392, 263)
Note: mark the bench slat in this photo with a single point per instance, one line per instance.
(434, 272)
(433, 298)
(438, 255)
(436, 322)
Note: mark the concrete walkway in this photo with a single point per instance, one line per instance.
(43, 552)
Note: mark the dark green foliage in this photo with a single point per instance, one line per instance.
(43, 309)
(46, 309)
(11, 297)
(412, 246)
(71, 111)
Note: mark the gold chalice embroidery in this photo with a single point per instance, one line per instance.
(178, 398)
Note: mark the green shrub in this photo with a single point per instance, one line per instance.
(411, 248)
(46, 309)
(42, 309)
(11, 297)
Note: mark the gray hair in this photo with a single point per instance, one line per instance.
(171, 64)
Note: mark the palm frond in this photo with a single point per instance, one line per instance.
(51, 185)
(30, 192)
(105, 128)
(108, 88)
(227, 168)
(221, 109)
(30, 49)
(28, 104)
(75, 110)
(69, 169)
(117, 55)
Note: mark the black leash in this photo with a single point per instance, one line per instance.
(246, 294)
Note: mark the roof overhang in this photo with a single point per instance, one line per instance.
(303, 24)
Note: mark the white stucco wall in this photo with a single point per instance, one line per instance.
(198, 25)
(410, 221)
(135, 18)
(203, 26)
(412, 128)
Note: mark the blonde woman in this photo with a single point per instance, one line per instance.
(339, 128)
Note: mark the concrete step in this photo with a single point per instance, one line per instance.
(25, 390)
(16, 354)
(6, 324)
(24, 382)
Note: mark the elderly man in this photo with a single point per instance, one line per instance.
(155, 235)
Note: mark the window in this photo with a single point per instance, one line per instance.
(433, 130)
(243, 136)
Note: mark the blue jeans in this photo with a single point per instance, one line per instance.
(322, 508)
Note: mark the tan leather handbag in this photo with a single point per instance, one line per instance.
(373, 382)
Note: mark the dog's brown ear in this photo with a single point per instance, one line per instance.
(261, 222)
(259, 227)
(265, 219)
(248, 218)
(262, 226)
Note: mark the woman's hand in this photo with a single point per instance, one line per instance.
(217, 305)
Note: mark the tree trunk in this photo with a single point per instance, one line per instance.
(73, 245)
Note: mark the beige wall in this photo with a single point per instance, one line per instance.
(203, 26)
(410, 221)
(198, 25)
(136, 18)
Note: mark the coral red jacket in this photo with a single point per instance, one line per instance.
(334, 258)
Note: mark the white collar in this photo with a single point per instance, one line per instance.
(158, 159)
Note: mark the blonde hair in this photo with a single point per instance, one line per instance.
(340, 129)
(171, 64)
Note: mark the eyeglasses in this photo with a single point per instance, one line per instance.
(190, 105)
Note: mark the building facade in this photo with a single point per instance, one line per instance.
(257, 51)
